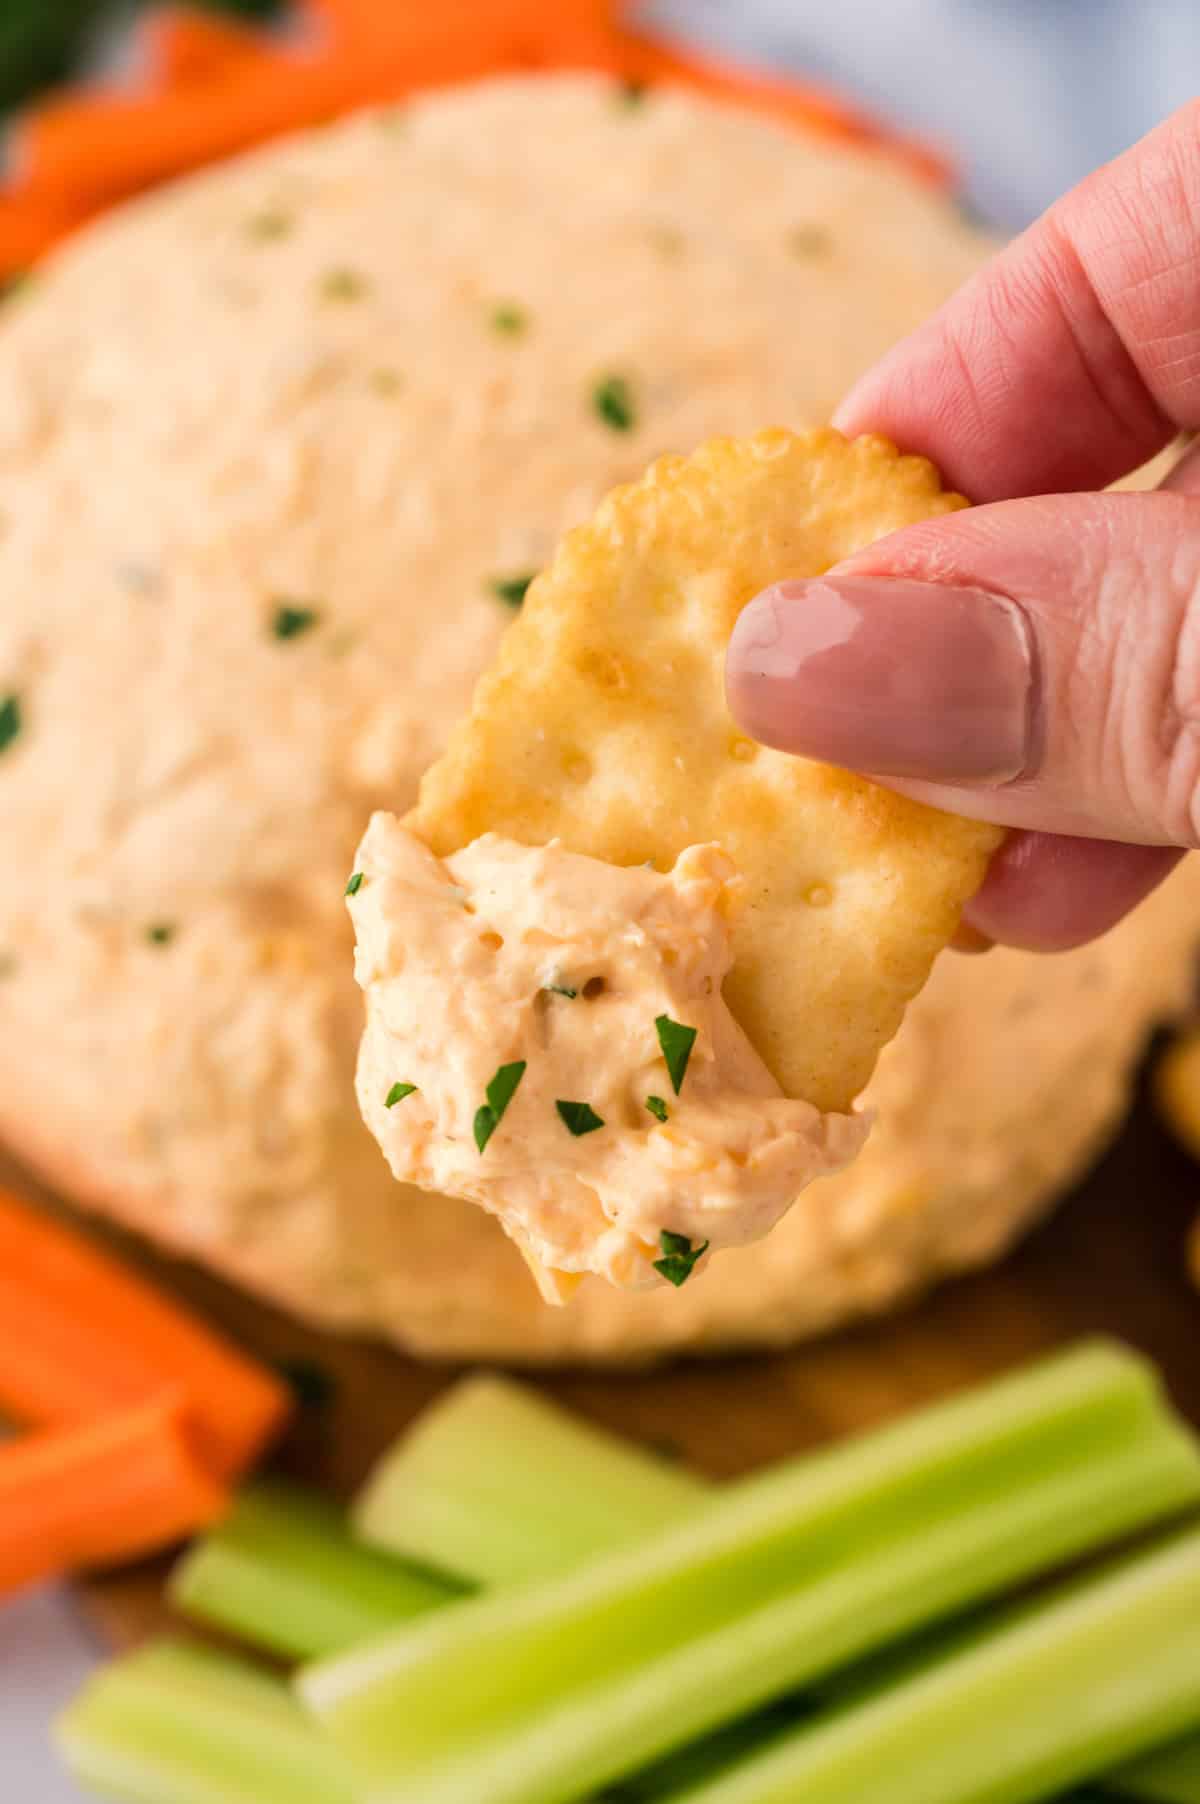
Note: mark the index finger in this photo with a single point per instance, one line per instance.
(1075, 355)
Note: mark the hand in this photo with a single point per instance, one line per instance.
(1033, 662)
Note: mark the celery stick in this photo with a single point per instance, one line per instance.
(179, 1724)
(1170, 1775)
(283, 1572)
(716, 1752)
(496, 1482)
(1042, 1697)
(546, 1693)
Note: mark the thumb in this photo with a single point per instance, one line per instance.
(1034, 663)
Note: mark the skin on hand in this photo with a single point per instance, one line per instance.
(1036, 660)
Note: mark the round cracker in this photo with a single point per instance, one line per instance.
(604, 724)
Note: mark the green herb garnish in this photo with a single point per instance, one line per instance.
(561, 989)
(385, 381)
(612, 399)
(343, 285)
(679, 1257)
(355, 884)
(676, 1042)
(657, 1107)
(668, 240)
(312, 1385)
(810, 241)
(397, 1093)
(631, 94)
(269, 225)
(511, 589)
(290, 621)
(160, 933)
(10, 720)
(500, 1093)
(509, 319)
(19, 282)
(579, 1117)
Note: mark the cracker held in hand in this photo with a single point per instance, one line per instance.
(603, 724)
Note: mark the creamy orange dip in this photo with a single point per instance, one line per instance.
(630, 1122)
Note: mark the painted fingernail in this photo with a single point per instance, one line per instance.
(886, 675)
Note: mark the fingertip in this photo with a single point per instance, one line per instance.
(1046, 892)
(887, 675)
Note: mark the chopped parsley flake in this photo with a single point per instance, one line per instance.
(657, 1107)
(509, 319)
(10, 720)
(676, 1042)
(160, 933)
(679, 1257)
(970, 214)
(561, 989)
(19, 282)
(355, 884)
(512, 589)
(343, 285)
(397, 1093)
(612, 399)
(269, 225)
(312, 1385)
(500, 1093)
(810, 241)
(8, 964)
(579, 1117)
(290, 621)
(386, 382)
(668, 240)
(631, 94)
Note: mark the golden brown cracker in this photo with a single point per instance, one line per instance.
(603, 723)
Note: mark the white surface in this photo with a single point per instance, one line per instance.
(1029, 94)
(45, 1655)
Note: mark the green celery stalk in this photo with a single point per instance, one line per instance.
(1036, 1700)
(496, 1482)
(283, 1571)
(547, 1693)
(749, 1735)
(1170, 1775)
(180, 1724)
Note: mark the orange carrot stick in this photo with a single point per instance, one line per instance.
(793, 102)
(96, 1495)
(80, 1336)
(181, 45)
(368, 22)
(30, 223)
(99, 148)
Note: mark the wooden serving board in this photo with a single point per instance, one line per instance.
(1111, 1260)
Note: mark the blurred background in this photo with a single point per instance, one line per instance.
(1026, 95)
(1022, 96)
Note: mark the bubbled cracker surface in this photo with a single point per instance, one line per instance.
(604, 724)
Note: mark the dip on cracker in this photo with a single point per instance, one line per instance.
(625, 970)
(582, 1076)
